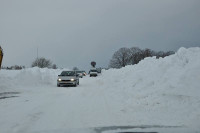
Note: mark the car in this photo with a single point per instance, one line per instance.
(84, 73)
(93, 72)
(68, 78)
(80, 74)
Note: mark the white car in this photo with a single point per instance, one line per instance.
(68, 78)
(93, 72)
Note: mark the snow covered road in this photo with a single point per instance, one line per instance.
(51, 108)
(67, 108)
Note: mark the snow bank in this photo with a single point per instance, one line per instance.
(165, 90)
(177, 73)
(29, 77)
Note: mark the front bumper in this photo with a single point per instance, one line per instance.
(66, 82)
(93, 74)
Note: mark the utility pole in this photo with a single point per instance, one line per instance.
(37, 56)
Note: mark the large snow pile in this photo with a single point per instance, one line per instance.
(179, 73)
(165, 90)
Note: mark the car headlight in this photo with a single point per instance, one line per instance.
(72, 79)
(59, 79)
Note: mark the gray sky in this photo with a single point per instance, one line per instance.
(76, 32)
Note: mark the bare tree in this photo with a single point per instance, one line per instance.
(16, 67)
(126, 56)
(42, 63)
(121, 58)
(136, 55)
(168, 53)
(163, 54)
(147, 53)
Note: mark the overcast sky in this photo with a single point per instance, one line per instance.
(76, 32)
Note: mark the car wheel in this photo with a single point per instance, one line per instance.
(58, 85)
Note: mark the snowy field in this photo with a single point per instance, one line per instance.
(156, 95)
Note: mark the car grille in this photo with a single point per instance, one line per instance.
(66, 80)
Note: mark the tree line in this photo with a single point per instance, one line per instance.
(130, 56)
(15, 67)
(38, 62)
(121, 58)
(43, 63)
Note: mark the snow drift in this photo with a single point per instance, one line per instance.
(178, 73)
(164, 90)
(30, 77)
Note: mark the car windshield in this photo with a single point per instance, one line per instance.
(93, 70)
(68, 73)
